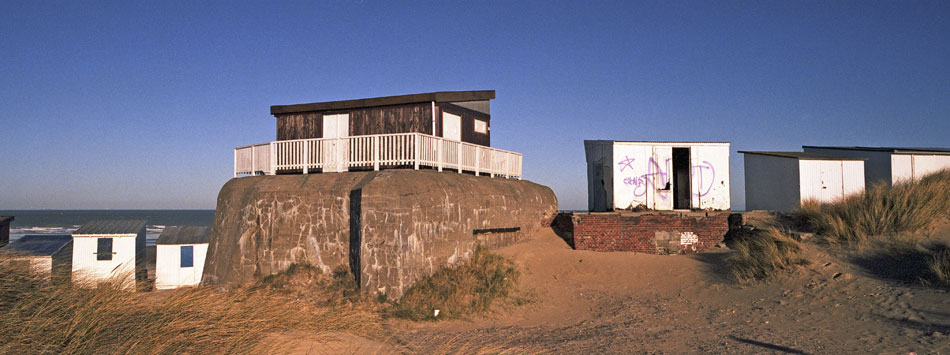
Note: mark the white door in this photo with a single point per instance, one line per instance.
(660, 171)
(451, 126)
(336, 128)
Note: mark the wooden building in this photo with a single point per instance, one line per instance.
(781, 181)
(454, 115)
(105, 250)
(45, 254)
(5, 229)
(180, 256)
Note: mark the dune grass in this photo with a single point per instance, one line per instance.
(37, 316)
(883, 212)
(763, 254)
(940, 265)
(457, 292)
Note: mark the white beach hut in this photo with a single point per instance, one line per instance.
(107, 249)
(180, 256)
(892, 164)
(781, 181)
(657, 175)
(45, 254)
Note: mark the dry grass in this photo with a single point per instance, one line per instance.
(763, 254)
(940, 264)
(883, 212)
(460, 291)
(39, 317)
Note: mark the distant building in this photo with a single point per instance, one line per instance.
(5, 229)
(108, 249)
(781, 181)
(657, 175)
(180, 256)
(891, 165)
(45, 254)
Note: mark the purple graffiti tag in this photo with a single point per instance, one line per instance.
(626, 163)
(705, 166)
(654, 173)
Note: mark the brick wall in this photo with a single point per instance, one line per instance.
(649, 232)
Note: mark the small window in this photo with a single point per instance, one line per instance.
(481, 126)
(187, 256)
(104, 249)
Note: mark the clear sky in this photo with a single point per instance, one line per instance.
(139, 104)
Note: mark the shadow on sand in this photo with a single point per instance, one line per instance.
(907, 265)
(774, 347)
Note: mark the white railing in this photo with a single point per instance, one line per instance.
(374, 152)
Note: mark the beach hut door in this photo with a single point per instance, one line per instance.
(334, 147)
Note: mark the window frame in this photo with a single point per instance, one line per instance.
(475, 126)
(191, 256)
(101, 253)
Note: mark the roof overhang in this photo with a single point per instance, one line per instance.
(802, 155)
(440, 96)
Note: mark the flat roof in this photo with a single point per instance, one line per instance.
(184, 235)
(896, 150)
(38, 244)
(111, 226)
(652, 142)
(802, 155)
(439, 96)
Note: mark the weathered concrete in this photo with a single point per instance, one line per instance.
(394, 226)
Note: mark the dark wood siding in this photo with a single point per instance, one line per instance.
(468, 123)
(363, 121)
(299, 125)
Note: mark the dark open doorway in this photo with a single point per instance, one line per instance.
(681, 178)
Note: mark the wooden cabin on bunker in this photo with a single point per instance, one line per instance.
(438, 130)
(781, 181)
(657, 175)
(890, 165)
(180, 256)
(109, 250)
(49, 255)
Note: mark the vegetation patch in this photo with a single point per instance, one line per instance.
(456, 292)
(37, 316)
(762, 254)
(940, 264)
(883, 212)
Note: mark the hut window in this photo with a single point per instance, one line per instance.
(104, 249)
(481, 126)
(187, 256)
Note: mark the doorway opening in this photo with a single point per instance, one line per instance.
(681, 180)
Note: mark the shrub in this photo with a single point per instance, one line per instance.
(461, 290)
(882, 211)
(763, 254)
(940, 265)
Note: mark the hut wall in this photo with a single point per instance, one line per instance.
(406, 118)
(468, 123)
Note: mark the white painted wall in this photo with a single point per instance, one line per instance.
(168, 271)
(87, 271)
(771, 183)
(907, 167)
(827, 181)
(877, 167)
(640, 174)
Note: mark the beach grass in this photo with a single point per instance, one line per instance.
(763, 254)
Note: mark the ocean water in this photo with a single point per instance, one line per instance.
(66, 221)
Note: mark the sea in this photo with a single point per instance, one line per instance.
(66, 221)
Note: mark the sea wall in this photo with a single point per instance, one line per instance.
(393, 226)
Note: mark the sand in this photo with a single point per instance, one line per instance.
(617, 303)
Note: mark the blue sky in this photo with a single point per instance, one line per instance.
(139, 105)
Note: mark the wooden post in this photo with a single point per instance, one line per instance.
(376, 153)
(458, 154)
(440, 148)
(273, 158)
(306, 157)
(507, 165)
(478, 159)
(235, 162)
(415, 150)
(491, 162)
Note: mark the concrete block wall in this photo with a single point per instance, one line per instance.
(649, 232)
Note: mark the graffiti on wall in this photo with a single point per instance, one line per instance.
(658, 177)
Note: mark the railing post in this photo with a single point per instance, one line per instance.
(273, 158)
(440, 149)
(376, 153)
(491, 162)
(507, 165)
(478, 159)
(235, 163)
(415, 150)
(306, 157)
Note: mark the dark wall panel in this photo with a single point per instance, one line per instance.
(468, 123)
(363, 121)
(299, 126)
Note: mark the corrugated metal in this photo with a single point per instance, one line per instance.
(184, 235)
(39, 244)
(111, 226)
